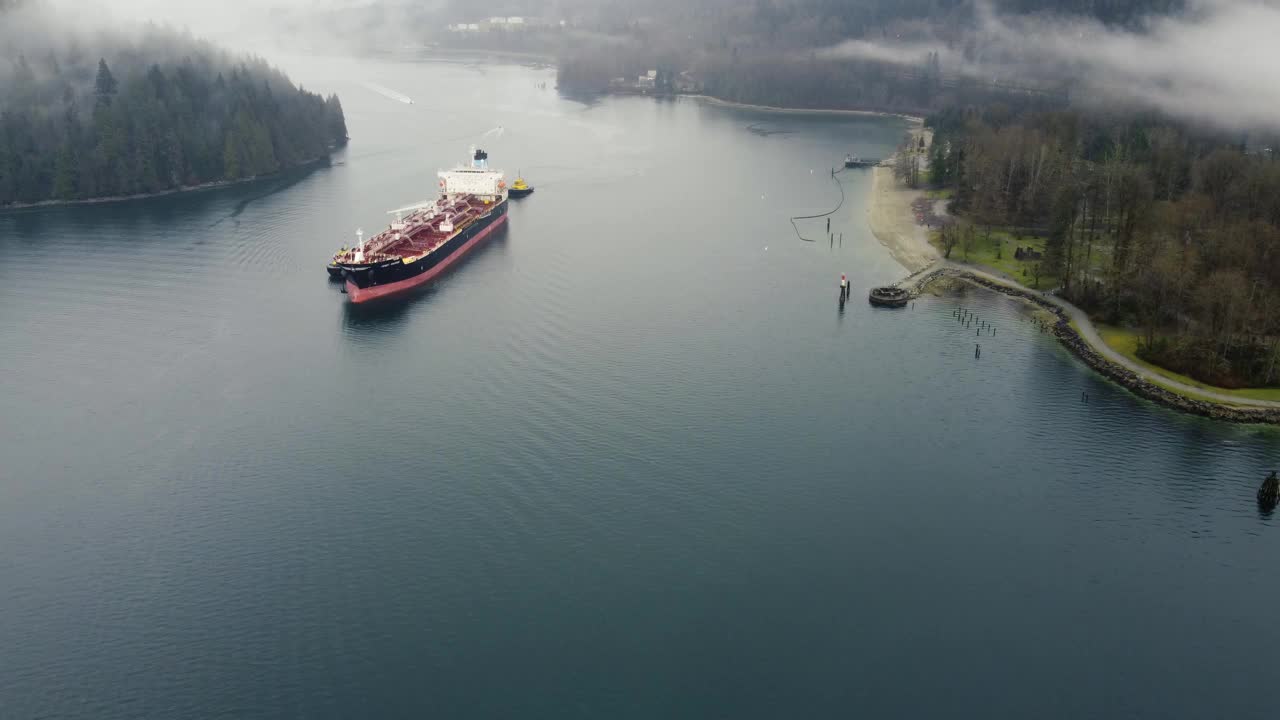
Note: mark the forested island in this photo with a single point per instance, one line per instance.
(91, 114)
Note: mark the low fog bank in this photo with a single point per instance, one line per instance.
(1214, 62)
(1218, 63)
(263, 26)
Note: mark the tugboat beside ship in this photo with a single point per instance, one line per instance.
(520, 188)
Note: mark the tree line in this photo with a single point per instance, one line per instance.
(1170, 229)
(103, 115)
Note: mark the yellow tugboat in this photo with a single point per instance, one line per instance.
(520, 188)
(335, 270)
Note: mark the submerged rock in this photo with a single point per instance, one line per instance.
(1269, 493)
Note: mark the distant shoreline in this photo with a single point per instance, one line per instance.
(212, 185)
(711, 99)
(453, 53)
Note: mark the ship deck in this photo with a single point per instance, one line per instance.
(420, 233)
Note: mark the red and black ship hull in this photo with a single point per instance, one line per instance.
(394, 277)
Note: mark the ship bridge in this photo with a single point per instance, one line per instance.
(474, 178)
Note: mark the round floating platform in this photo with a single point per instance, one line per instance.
(889, 296)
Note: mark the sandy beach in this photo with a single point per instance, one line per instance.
(894, 224)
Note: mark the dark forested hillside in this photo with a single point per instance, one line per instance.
(774, 52)
(98, 114)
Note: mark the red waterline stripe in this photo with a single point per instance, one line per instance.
(359, 295)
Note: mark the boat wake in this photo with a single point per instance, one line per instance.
(388, 93)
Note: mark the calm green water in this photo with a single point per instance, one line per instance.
(630, 461)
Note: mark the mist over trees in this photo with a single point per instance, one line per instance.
(724, 42)
(93, 113)
(772, 52)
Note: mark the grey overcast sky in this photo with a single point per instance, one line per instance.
(1220, 64)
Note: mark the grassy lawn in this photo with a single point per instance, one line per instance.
(997, 254)
(943, 194)
(1125, 342)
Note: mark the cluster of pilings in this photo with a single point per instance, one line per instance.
(970, 319)
(1268, 492)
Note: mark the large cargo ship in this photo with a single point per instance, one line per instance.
(426, 239)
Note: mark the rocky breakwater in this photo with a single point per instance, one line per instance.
(1068, 336)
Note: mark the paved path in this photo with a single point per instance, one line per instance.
(1090, 335)
(894, 223)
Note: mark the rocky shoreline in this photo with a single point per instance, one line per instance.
(306, 165)
(1068, 336)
